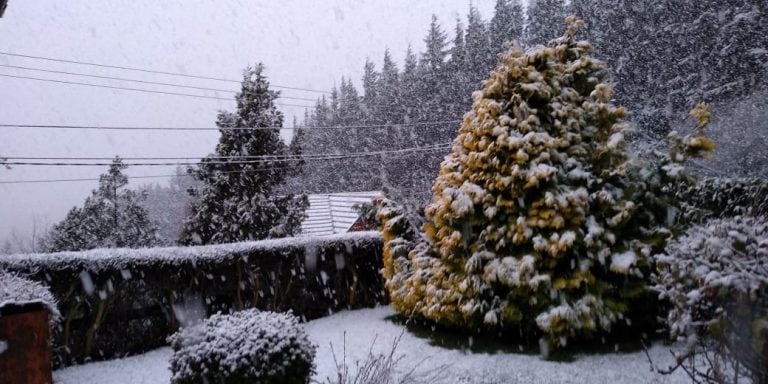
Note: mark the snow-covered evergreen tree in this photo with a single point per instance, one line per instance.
(391, 108)
(112, 216)
(480, 59)
(507, 24)
(431, 72)
(545, 18)
(238, 200)
(540, 222)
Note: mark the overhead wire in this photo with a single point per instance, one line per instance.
(138, 89)
(149, 128)
(136, 177)
(252, 160)
(145, 70)
(188, 174)
(254, 157)
(140, 81)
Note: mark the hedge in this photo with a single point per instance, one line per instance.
(117, 302)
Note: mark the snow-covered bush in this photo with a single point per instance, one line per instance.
(540, 222)
(716, 277)
(723, 197)
(15, 290)
(244, 347)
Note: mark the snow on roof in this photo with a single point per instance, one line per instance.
(333, 213)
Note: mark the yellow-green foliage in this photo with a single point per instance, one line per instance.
(539, 219)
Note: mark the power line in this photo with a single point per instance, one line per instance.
(319, 157)
(147, 128)
(149, 71)
(258, 157)
(139, 90)
(140, 81)
(135, 177)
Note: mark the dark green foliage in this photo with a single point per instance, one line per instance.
(238, 200)
(111, 217)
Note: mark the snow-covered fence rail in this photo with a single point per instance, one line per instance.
(116, 302)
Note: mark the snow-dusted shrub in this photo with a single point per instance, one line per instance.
(716, 277)
(723, 197)
(15, 290)
(540, 221)
(244, 347)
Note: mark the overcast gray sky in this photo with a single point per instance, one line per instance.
(304, 43)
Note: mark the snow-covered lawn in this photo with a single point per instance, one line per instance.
(457, 366)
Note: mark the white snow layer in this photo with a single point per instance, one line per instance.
(15, 290)
(362, 327)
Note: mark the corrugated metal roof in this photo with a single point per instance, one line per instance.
(333, 213)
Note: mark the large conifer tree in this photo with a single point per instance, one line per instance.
(541, 223)
(238, 200)
(545, 18)
(507, 24)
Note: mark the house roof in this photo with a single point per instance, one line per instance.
(333, 213)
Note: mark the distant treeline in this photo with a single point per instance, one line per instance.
(664, 56)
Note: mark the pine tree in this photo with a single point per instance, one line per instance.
(409, 81)
(480, 58)
(111, 217)
(237, 201)
(371, 93)
(390, 98)
(460, 86)
(507, 25)
(431, 70)
(544, 20)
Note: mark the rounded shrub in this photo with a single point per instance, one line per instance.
(244, 347)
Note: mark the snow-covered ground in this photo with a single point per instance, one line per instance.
(456, 366)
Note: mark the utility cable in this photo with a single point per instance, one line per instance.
(148, 71)
(139, 90)
(141, 81)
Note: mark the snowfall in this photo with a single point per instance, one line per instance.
(362, 331)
